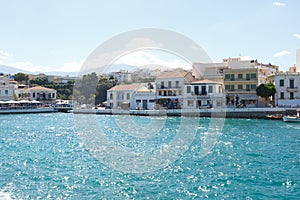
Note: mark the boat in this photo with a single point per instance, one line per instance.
(23, 107)
(292, 118)
(274, 117)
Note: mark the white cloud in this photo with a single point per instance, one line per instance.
(276, 3)
(145, 58)
(296, 35)
(5, 55)
(281, 53)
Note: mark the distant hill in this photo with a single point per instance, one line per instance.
(11, 70)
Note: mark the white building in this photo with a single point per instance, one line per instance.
(38, 93)
(6, 89)
(122, 76)
(203, 94)
(288, 89)
(298, 60)
(131, 96)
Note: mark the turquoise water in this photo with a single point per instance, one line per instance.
(44, 157)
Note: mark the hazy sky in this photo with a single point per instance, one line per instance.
(57, 35)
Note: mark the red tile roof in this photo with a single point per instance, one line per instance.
(40, 88)
(124, 87)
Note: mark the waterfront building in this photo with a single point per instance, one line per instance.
(170, 87)
(298, 60)
(6, 89)
(203, 94)
(288, 89)
(215, 71)
(240, 87)
(38, 93)
(131, 96)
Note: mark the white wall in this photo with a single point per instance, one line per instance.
(298, 60)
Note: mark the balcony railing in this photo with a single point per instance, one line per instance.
(292, 89)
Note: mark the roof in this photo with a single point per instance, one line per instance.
(205, 81)
(40, 88)
(187, 75)
(173, 74)
(124, 87)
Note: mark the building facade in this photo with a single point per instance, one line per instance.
(6, 89)
(131, 96)
(240, 87)
(287, 89)
(203, 94)
(170, 87)
(38, 93)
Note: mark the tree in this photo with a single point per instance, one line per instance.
(266, 90)
(21, 77)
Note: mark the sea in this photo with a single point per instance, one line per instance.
(67, 156)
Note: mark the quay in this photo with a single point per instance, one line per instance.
(249, 113)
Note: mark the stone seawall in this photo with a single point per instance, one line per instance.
(250, 113)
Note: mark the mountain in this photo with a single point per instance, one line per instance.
(11, 70)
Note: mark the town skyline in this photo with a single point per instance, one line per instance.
(58, 36)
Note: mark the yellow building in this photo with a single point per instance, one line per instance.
(240, 87)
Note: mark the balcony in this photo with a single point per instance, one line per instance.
(292, 89)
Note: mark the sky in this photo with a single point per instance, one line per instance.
(58, 35)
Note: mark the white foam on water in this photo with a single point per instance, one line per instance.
(6, 192)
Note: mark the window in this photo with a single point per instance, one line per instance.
(210, 89)
(281, 82)
(169, 84)
(0, 92)
(169, 93)
(292, 95)
(247, 76)
(248, 87)
(227, 87)
(240, 76)
(292, 85)
(177, 84)
(227, 76)
(33, 95)
(231, 87)
(138, 101)
(151, 100)
(190, 103)
(111, 95)
(162, 85)
(253, 76)
(6, 92)
(128, 96)
(240, 87)
(188, 89)
(232, 77)
(281, 95)
(253, 87)
(159, 93)
(53, 95)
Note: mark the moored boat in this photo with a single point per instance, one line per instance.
(274, 117)
(292, 118)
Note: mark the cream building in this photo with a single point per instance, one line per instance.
(38, 93)
(215, 71)
(240, 87)
(6, 89)
(170, 87)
